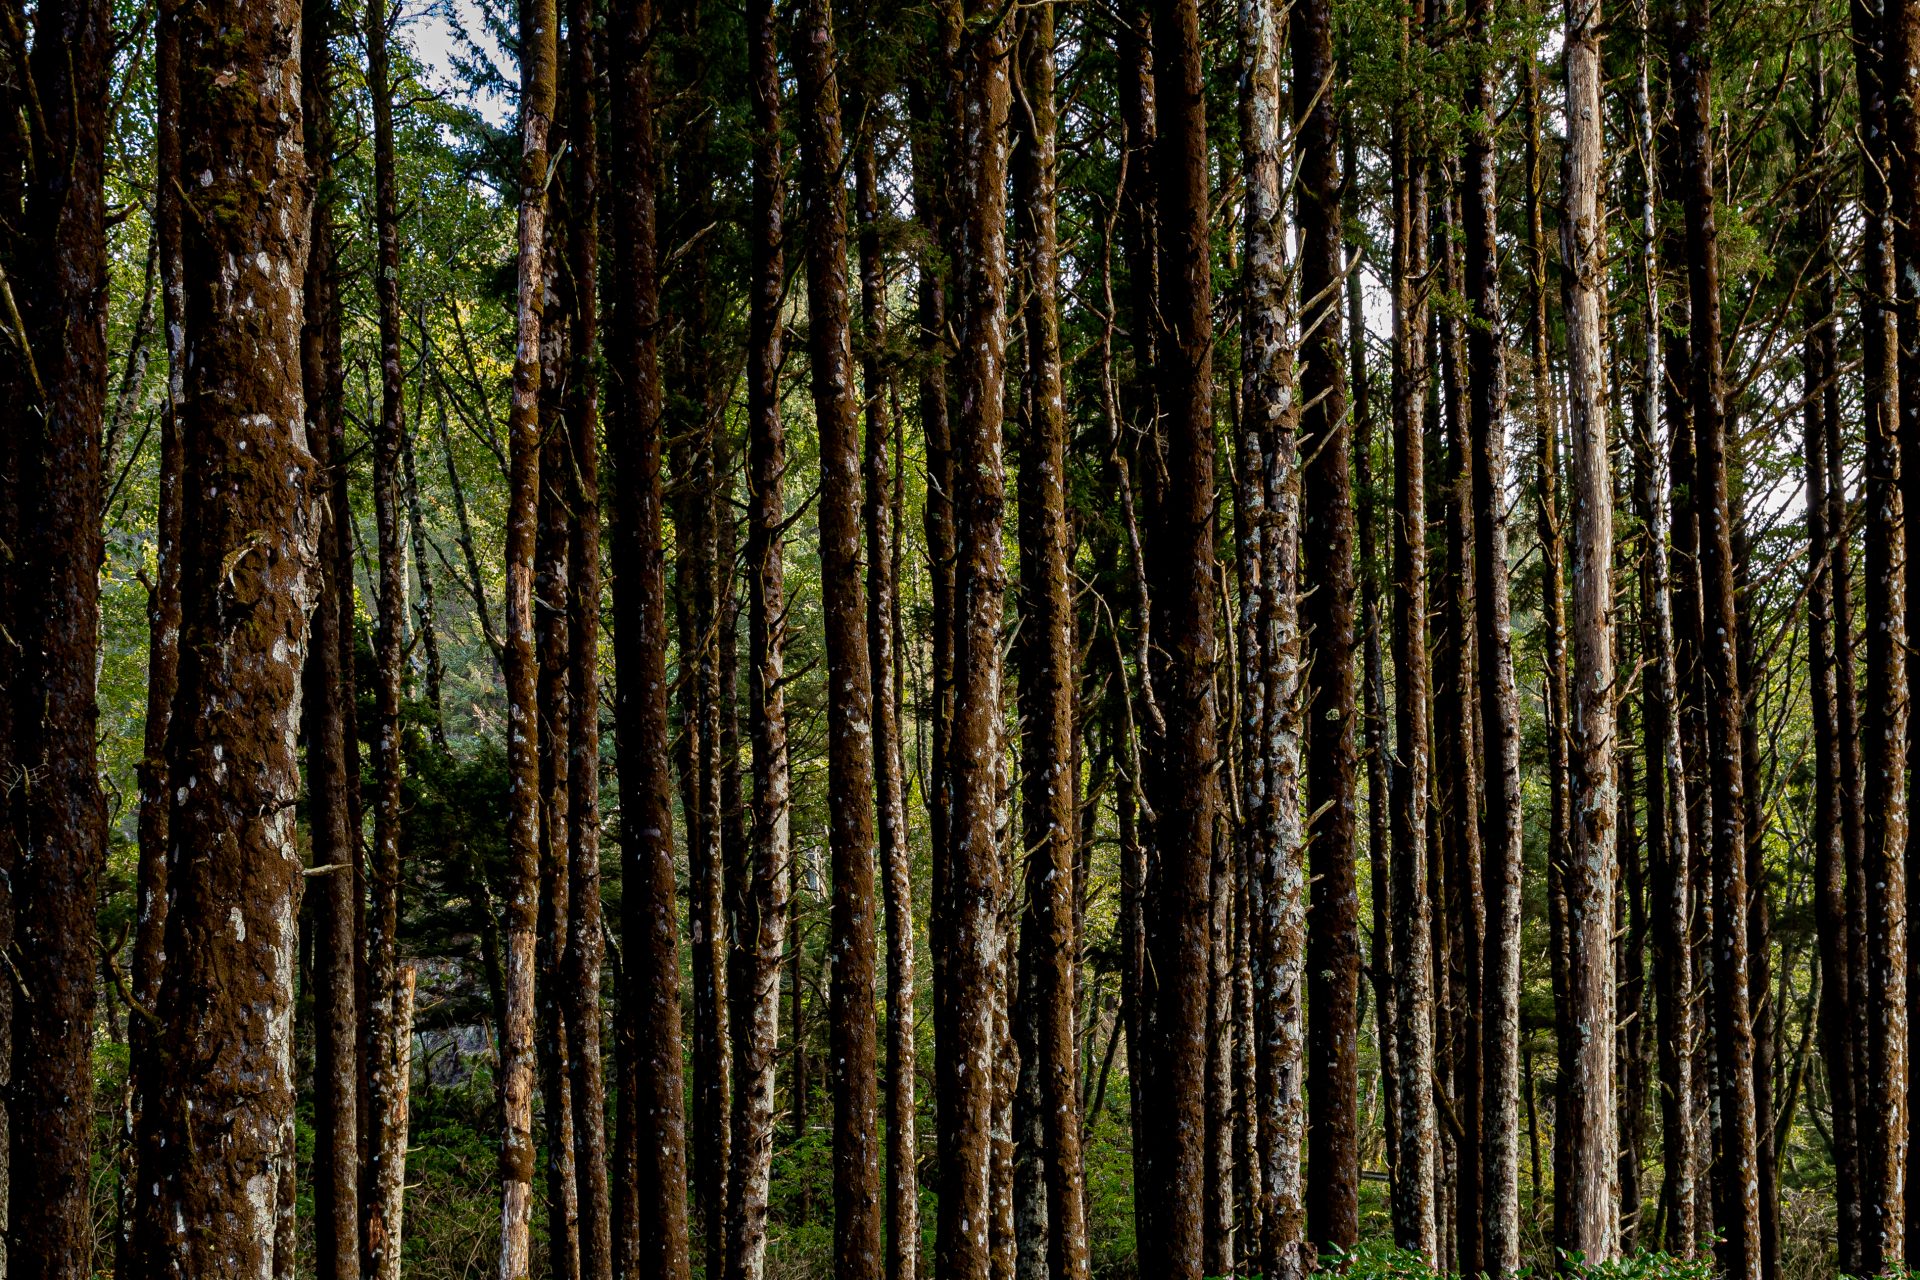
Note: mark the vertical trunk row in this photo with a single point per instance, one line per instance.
(59, 822)
(760, 923)
(1046, 658)
(537, 55)
(581, 962)
(1180, 570)
(1333, 932)
(1735, 1156)
(383, 913)
(1411, 944)
(880, 514)
(1270, 730)
(1589, 1222)
(851, 1029)
(650, 1211)
(1504, 843)
(1819, 371)
(328, 692)
(248, 521)
(971, 928)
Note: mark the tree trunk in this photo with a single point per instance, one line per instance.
(1504, 841)
(383, 913)
(760, 924)
(1045, 654)
(650, 1207)
(537, 55)
(226, 999)
(1270, 707)
(1738, 1209)
(1333, 941)
(856, 1159)
(968, 902)
(390, 1192)
(1414, 1224)
(328, 693)
(1180, 570)
(1821, 392)
(1590, 1224)
(60, 836)
(585, 945)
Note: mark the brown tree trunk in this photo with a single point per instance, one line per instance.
(60, 832)
(328, 692)
(1333, 941)
(856, 1157)
(1884, 1097)
(1045, 656)
(1414, 1222)
(880, 514)
(1270, 702)
(1821, 392)
(585, 946)
(151, 897)
(1504, 842)
(760, 923)
(1587, 1124)
(1180, 570)
(1735, 1156)
(383, 911)
(249, 512)
(1900, 47)
(650, 1204)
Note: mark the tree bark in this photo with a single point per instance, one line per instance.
(1590, 1219)
(585, 945)
(1503, 845)
(1270, 728)
(1738, 1215)
(1333, 943)
(250, 510)
(60, 830)
(1414, 1219)
(760, 924)
(650, 1145)
(1050, 784)
(856, 1158)
(1885, 722)
(383, 911)
(1180, 570)
(328, 691)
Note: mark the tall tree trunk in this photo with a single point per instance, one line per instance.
(328, 693)
(968, 901)
(60, 820)
(856, 1160)
(650, 1207)
(1738, 1210)
(1821, 392)
(1590, 1224)
(1270, 733)
(383, 912)
(1668, 847)
(585, 945)
(1504, 842)
(880, 515)
(1885, 722)
(553, 659)
(1050, 785)
(760, 924)
(1180, 569)
(1333, 941)
(226, 1000)
(319, 343)
(1415, 1228)
(537, 58)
